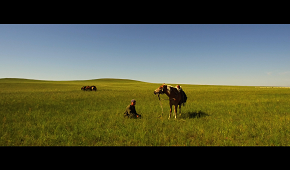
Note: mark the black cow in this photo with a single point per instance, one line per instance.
(93, 88)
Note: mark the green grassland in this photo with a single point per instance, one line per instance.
(58, 113)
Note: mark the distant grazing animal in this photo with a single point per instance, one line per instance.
(87, 88)
(174, 97)
(91, 88)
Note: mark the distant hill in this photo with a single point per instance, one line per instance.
(19, 80)
(104, 80)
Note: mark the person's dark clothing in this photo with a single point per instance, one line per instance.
(131, 112)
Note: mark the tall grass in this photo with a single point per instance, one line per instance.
(58, 113)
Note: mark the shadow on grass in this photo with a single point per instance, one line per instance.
(192, 115)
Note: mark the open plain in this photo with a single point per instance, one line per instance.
(59, 113)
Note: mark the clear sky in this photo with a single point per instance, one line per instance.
(212, 54)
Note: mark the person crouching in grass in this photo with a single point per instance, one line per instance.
(131, 111)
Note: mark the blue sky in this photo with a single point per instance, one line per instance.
(212, 54)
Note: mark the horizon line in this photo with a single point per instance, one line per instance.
(265, 86)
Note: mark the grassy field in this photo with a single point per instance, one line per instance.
(58, 113)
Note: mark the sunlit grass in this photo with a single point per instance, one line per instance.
(58, 113)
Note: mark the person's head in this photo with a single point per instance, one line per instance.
(133, 102)
(178, 86)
